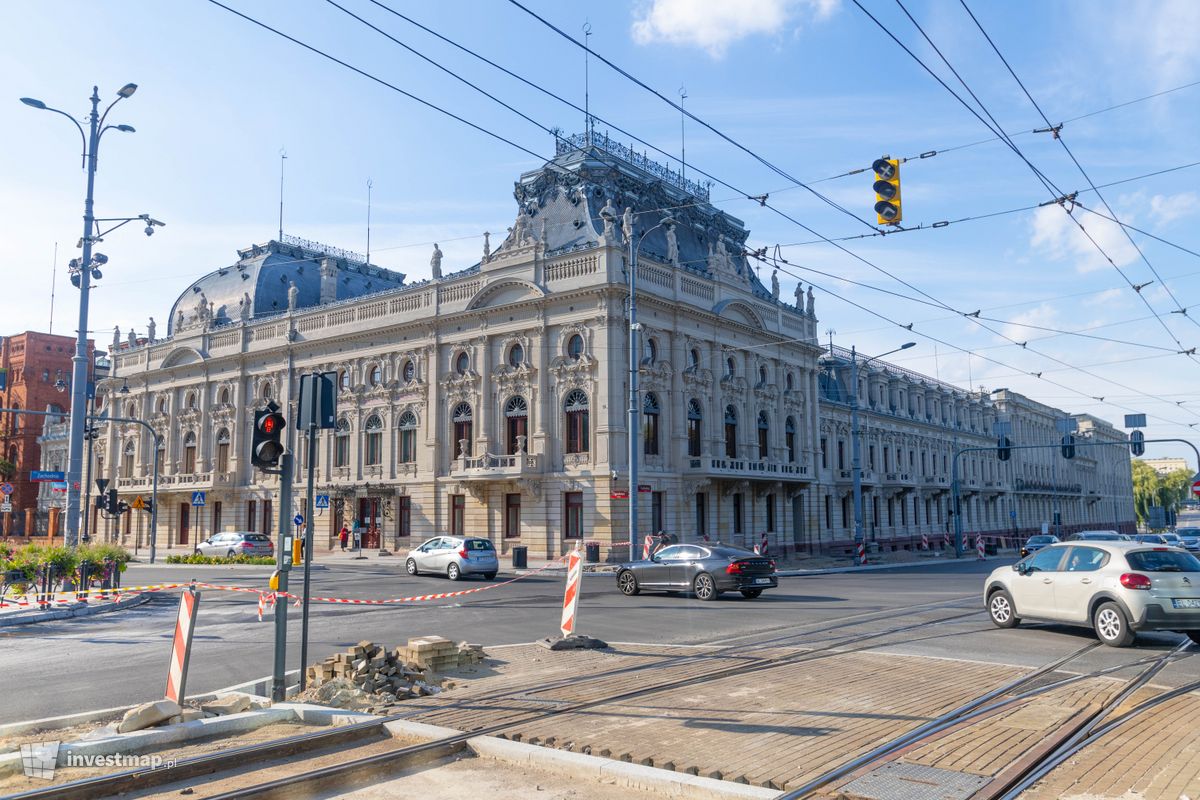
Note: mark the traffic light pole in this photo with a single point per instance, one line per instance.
(283, 561)
(308, 548)
(954, 487)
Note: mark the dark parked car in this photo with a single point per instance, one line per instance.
(1035, 543)
(704, 570)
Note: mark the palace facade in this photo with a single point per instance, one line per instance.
(492, 400)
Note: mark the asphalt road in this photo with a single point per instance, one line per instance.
(121, 658)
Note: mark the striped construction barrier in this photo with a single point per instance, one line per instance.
(571, 594)
(924, 541)
(946, 543)
(646, 545)
(862, 554)
(181, 647)
(980, 550)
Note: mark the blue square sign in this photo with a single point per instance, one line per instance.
(197, 498)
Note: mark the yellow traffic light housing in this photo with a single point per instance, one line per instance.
(887, 191)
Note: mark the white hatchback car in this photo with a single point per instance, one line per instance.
(1116, 588)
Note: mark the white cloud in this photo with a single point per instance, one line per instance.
(713, 25)
(1165, 209)
(1061, 237)
(1043, 316)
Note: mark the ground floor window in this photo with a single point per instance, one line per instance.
(266, 517)
(573, 515)
(251, 514)
(737, 513)
(701, 514)
(404, 516)
(656, 512)
(458, 505)
(512, 515)
(216, 528)
(828, 512)
(771, 513)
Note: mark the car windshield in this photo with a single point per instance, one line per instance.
(1171, 537)
(1163, 561)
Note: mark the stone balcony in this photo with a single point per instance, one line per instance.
(748, 468)
(489, 467)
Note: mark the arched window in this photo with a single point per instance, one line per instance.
(160, 406)
(223, 451)
(341, 444)
(462, 362)
(344, 380)
(764, 435)
(223, 397)
(160, 453)
(516, 422)
(127, 456)
(266, 391)
(376, 375)
(789, 439)
(410, 371)
(694, 359)
(651, 351)
(408, 437)
(790, 382)
(575, 411)
(575, 347)
(130, 411)
(695, 417)
(650, 410)
(516, 355)
(762, 376)
(190, 405)
(373, 430)
(189, 453)
(730, 432)
(462, 420)
(730, 367)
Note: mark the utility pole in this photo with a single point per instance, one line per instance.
(283, 560)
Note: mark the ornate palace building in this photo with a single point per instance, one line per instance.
(492, 400)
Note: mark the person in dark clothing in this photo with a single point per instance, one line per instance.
(344, 537)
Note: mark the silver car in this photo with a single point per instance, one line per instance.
(1116, 588)
(236, 543)
(454, 556)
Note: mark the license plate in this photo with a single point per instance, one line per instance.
(762, 580)
(1186, 602)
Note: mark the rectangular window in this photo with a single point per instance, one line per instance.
(770, 513)
(266, 517)
(408, 446)
(458, 507)
(731, 440)
(374, 449)
(693, 433)
(841, 454)
(824, 452)
(701, 514)
(737, 512)
(650, 434)
(577, 431)
(847, 517)
(828, 512)
(789, 441)
(871, 456)
(512, 516)
(573, 515)
(251, 514)
(159, 454)
(404, 507)
(216, 526)
(887, 460)
(656, 512)
(341, 450)
(223, 457)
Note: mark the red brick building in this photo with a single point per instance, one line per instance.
(34, 363)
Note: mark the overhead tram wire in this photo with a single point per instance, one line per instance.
(1074, 391)
(523, 149)
(1055, 192)
(1075, 161)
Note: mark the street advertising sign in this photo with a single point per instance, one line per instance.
(45, 476)
(6, 488)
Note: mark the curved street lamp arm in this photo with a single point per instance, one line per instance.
(110, 105)
(82, 135)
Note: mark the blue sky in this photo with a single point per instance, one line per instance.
(812, 86)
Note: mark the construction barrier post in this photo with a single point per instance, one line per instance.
(181, 646)
(979, 548)
(571, 595)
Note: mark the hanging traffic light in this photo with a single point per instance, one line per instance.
(1137, 443)
(887, 190)
(266, 446)
(1003, 448)
(112, 504)
(1068, 446)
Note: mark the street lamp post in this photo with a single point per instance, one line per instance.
(634, 366)
(856, 448)
(79, 363)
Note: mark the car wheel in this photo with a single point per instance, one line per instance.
(1002, 610)
(197, 551)
(453, 572)
(1112, 626)
(627, 583)
(750, 594)
(231, 554)
(704, 587)
(1194, 636)
(411, 567)
(487, 576)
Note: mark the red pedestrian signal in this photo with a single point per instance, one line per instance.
(266, 447)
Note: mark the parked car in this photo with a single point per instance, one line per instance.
(1172, 539)
(704, 570)
(1116, 588)
(1099, 536)
(454, 556)
(236, 543)
(1151, 538)
(1189, 538)
(1035, 543)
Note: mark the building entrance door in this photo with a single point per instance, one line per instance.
(185, 517)
(370, 519)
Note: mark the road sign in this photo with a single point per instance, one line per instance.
(1196, 488)
(101, 485)
(298, 519)
(6, 488)
(619, 494)
(138, 503)
(59, 486)
(644, 488)
(1135, 420)
(1012, 514)
(5, 508)
(198, 498)
(43, 476)
(322, 501)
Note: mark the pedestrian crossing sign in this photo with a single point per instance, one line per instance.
(322, 501)
(138, 503)
(197, 498)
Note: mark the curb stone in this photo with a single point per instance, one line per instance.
(31, 617)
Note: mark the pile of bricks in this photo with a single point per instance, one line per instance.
(404, 672)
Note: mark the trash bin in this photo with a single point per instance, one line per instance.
(991, 548)
(592, 552)
(520, 557)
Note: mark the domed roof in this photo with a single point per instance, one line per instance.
(264, 274)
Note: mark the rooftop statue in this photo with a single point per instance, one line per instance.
(435, 262)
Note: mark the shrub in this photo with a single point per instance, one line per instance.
(196, 558)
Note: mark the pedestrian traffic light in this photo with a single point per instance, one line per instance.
(112, 504)
(1003, 448)
(266, 446)
(887, 190)
(1068, 446)
(1137, 443)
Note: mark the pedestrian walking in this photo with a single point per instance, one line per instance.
(344, 537)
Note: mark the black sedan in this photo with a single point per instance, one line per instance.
(1035, 543)
(704, 570)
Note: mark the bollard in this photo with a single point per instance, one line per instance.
(296, 552)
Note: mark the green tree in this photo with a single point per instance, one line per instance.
(7, 468)
(1151, 489)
